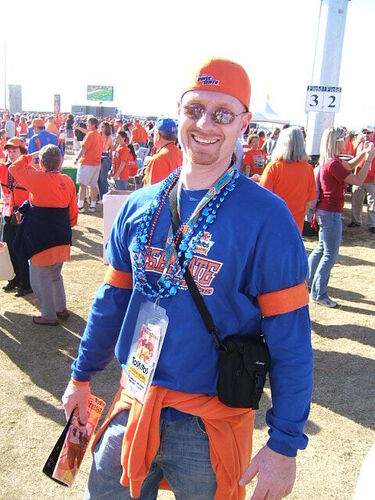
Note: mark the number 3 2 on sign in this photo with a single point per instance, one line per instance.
(322, 98)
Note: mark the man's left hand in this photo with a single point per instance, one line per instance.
(276, 474)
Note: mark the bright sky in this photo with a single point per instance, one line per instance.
(147, 49)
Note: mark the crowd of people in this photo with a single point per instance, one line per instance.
(254, 275)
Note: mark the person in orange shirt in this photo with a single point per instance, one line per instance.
(349, 145)
(289, 175)
(51, 126)
(89, 159)
(23, 128)
(254, 158)
(3, 140)
(168, 156)
(262, 138)
(47, 229)
(138, 134)
(14, 194)
(132, 161)
(120, 169)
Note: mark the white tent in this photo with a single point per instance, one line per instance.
(267, 115)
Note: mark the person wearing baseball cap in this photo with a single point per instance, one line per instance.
(168, 156)
(13, 195)
(42, 138)
(205, 224)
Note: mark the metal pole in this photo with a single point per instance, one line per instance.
(327, 64)
(5, 75)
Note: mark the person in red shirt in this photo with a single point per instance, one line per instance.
(53, 213)
(120, 169)
(334, 174)
(367, 190)
(289, 175)
(168, 156)
(14, 194)
(89, 159)
(254, 158)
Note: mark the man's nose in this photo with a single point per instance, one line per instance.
(206, 120)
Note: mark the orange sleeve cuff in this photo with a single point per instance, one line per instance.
(119, 279)
(81, 383)
(284, 301)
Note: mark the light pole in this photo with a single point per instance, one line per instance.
(326, 72)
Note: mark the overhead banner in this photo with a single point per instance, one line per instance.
(57, 103)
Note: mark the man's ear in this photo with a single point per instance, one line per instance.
(246, 119)
(178, 108)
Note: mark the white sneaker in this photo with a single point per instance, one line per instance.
(325, 302)
(82, 210)
(92, 209)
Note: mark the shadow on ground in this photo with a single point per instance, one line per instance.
(45, 354)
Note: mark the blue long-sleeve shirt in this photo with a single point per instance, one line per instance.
(253, 247)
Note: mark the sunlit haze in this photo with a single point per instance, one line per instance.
(147, 49)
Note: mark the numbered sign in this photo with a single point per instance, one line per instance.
(323, 98)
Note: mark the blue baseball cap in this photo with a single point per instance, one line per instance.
(166, 125)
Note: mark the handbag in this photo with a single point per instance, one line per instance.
(243, 361)
(6, 267)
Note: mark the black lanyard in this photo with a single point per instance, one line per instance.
(193, 289)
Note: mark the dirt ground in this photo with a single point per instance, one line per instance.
(35, 361)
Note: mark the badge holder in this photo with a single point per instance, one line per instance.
(148, 338)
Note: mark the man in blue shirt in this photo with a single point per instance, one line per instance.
(245, 254)
(42, 138)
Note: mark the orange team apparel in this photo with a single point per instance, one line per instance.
(294, 182)
(349, 147)
(370, 174)
(132, 165)
(121, 154)
(229, 433)
(11, 199)
(138, 134)
(52, 190)
(162, 164)
(93, 143)
(23, 128)
(255, 159)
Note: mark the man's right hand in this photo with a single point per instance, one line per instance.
(77, 395)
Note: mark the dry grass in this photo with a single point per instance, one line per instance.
(34, 370)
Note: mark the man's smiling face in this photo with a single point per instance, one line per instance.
(204, 141)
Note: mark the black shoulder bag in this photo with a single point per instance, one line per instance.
(243, 360)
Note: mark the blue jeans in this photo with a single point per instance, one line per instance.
(105, 166)
(323, 258)
(121, 185)
(183, 458)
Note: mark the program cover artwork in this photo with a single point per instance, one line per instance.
(66, 457)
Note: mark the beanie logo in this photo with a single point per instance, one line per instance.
(207, 80)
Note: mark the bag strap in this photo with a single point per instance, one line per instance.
(193, 289)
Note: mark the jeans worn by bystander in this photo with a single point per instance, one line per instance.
(324, 256)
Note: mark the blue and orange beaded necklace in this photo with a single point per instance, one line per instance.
(188, 234)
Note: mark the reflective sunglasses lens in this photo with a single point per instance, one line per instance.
(193, 112)
(223, 117)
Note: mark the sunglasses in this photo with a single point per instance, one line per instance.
(220, 116)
